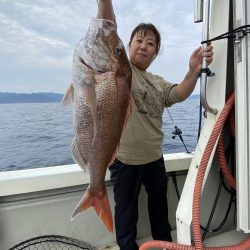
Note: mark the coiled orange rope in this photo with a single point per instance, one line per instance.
(198, 245)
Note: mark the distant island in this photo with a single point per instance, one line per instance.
(41, 97)
(194, 96)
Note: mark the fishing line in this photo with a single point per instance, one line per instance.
(176, 132)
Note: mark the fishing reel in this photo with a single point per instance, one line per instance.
(176, 132)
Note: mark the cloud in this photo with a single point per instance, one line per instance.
(40, 36)
(174, 19)
(28, 46)
(39, 30)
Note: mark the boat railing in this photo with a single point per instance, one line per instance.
(46, 178)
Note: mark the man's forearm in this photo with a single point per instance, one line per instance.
(186, 87)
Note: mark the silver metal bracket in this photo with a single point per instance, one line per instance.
(205, 70)
(238, 47)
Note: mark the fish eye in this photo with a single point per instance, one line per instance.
(118, 51)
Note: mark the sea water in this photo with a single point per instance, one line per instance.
(34, 135)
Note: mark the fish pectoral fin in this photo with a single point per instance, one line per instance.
(114, 154)
(90, 94)
(68, 97)
(100, 204)
(78, 158)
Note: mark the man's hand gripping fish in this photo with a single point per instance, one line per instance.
(101, 96)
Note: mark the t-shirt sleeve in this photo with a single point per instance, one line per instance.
(170, 94)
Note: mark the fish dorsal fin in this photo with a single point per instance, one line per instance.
(68, 97)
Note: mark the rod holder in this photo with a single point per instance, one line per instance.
(198, 11)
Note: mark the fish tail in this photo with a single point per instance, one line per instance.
(100, 204)
(68, 97)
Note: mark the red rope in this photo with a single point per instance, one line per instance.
(202, 169)
(223, 163)
(244, 245)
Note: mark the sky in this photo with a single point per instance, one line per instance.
(37, 39)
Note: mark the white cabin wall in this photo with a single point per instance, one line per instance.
(25, 216)
(50, 215)
(216, 93)
(242, 106)
(28, 215)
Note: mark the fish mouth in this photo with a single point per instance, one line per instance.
(83, 62)
(87, 65)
